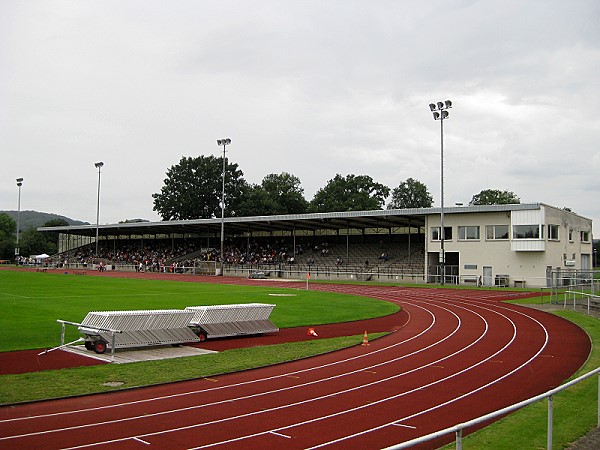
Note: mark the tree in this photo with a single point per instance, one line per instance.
(193, 189)
(350, 193)
(32, 242)
(8, 228)
(277, 194)
(51, 237)
(410, 194)
(494, 197)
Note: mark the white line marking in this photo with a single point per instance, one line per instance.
(281, 435)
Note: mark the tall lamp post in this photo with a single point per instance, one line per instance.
(224, 142)
(98, 166)
(440, 112)
(17, 250)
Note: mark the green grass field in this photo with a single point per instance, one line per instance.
(30, 303)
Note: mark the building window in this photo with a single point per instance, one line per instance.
(570, 234)
(468, 233)
(435, 233)
(495, 232)
(585, 236)
(527, 232)
(553, 232)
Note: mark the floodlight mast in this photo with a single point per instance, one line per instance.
(440, 113)
(17, 250)
(98, 166)
(224, 143)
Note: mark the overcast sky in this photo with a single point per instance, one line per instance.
(313, 88)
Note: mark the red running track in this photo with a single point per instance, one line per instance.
(456, 355)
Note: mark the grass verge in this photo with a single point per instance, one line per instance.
(90, 380)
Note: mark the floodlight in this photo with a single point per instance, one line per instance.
(224, 142)
(439, 111)
(98, 164)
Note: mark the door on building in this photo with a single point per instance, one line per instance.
(585, 262)
(487, 276)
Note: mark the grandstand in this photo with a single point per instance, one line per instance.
(496, 245)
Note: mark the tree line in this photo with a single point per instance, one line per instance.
(31, 242)
(193, 188)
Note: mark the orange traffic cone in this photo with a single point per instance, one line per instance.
(365, 339)
(312, 332)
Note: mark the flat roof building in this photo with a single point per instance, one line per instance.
(493, 245)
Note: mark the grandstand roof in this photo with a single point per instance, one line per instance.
(314, 221)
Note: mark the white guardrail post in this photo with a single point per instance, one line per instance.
(458, 429)
(550, 421)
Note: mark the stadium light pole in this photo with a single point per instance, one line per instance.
(98, 166)
(17, 250)
(224, 142)
(440, 112)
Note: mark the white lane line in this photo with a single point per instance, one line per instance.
(205, 405)
(366, 405)
(396, 424)
(505, 308)
(141, 440)
(194, 426)
(281, 435)
(516, 369)
(229, 386)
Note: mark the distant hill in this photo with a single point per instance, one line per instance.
(37, 219)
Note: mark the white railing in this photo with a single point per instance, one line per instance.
(458, 429)
(573, 295)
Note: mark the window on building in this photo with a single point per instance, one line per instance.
(468, 233)
(585, 236)
(435, 233)
(570, 234)
(527, 232)
(495, 232)
(553, 232)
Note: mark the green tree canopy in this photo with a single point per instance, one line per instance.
(51, 238)
(8, 228)
(32, 242)
(277, 194)
(410, 194)
(350, 193)
(494, 197)
(192, 189)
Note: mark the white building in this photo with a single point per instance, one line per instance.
(516, 245)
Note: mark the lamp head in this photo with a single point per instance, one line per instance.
(432, 106)
(440, 105)
(448, 104)
(98, 164)
(436, 115)
(19, 182)
(225, 141)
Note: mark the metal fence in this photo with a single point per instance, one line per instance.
(458, 429)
